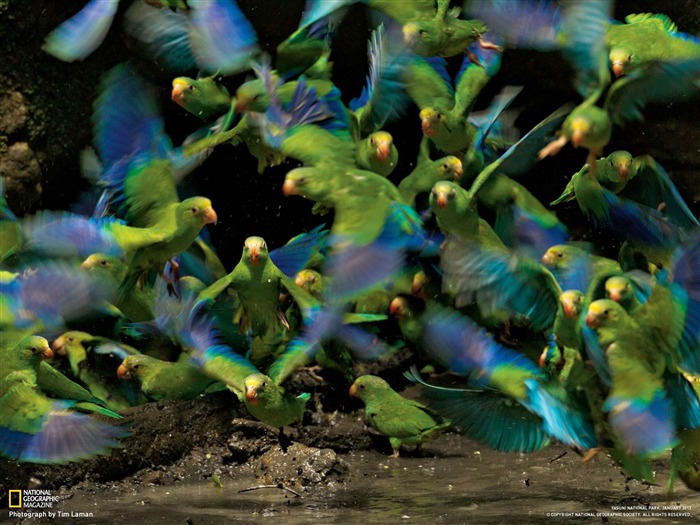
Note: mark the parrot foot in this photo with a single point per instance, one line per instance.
(553, 147)
(311, 370)
(591, 162)
(488, 45)
(395, 454)
(472, 57)
(593, 452)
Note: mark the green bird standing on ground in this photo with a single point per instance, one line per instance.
(403, 421)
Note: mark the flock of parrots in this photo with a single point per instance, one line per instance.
(613, 363)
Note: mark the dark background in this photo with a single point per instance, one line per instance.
(45, 108)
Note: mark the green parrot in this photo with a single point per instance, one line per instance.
(162, 380)
(685, 459)
(203, 97)
(403, 421)
(39, 429)
(426, 173)
(312, 281)
(136, 306)
(647, 37)
(430, 28)
(81, 350)
(266, 401)
(377, 153)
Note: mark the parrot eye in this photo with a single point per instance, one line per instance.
(560, 255)
(103, 262)
(264, 383)
(33, 349)
(191, 87)
(421, 32)
(362, 387)
(301, 180)
(135, 367)
(193, 209)
(371, 142)
(445, 166)
(71, 339)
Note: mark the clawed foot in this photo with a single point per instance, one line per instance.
(488, 45)
(311, 370)
(591, 454)
(553, 147)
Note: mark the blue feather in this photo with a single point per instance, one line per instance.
(294, 256)
(644, 427)
(222, 38)
(685, 401)
(79, 36)
(596, 354)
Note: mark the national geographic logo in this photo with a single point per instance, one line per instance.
(15, 499)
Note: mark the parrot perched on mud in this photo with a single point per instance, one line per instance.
(39, 429)
(403, 421)
(162, 380)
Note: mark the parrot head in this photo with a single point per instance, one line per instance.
(130, 367)
(398, 307)
(418, 283)
(306, 278)
(620, 58)
(380, 142)
(555, 256)
(66, 340)
(620, 162)
(367, 385)
(430, 118)
(255, 387)
(442, 193)
(252, 96)
(33, 348)
(307, 182)
(197, 211)
(551, 357)
(572, 302)
(618, 288)
(254, 249)
(603, 312)
(580, 128)
(452, 165)
(182, 88)
(100, 260)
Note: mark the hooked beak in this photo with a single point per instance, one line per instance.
(177, 94)
(210, 216)
(618, 69)
(614, 294)
(395, 308)
(383, 151)
(410, 32)
(353, 390)
(427, 126)
(543, 358)
(123, 372)
(47, 353)
(569, 309)
(289, 188)
(441, 200)
(577, 137)
(624, 171)
(459, 170)
(59, 346)
(251, 395)
(547, 259)
(591, 320)
(241, 106)
(254, 255)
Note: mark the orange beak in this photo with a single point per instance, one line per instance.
(59, 346)
(569, 309)
(177, 94)
(427, 126)
(591, 320)
(618, 69)
(624, 171)
(47, 353)
(251, 395)
(547, 259)
(353, 390)
(289, 188)
(254, 255)
(459, 170)
(123, 372)
(614, 295)
(395, 308)
(210, 216)
(241, 106)
(383, 151)
(87, 264)
(543, 358)
(577, 138)
(441, 200)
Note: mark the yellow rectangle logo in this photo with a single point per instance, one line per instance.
(15, 499)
